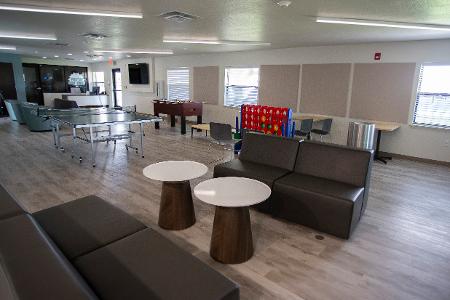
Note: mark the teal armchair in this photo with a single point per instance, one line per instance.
(15, 114)
(33, 121)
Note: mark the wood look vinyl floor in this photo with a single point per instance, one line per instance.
(400, 250)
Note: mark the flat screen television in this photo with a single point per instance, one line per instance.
(138, 73)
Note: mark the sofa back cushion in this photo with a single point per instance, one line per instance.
(334, 162)
(8, 206)
(269, 150)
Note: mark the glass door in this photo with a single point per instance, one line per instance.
(117, 87)
(33, 87)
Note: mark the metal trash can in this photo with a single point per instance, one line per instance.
(361, 135)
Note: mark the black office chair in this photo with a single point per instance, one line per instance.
(305, 128)
(326, 128)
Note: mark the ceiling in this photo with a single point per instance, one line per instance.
(249, 20)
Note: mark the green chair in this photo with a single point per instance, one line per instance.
(33, 121)
(15, 114)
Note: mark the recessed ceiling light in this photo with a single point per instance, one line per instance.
(70, 54)
(44, 57)
(85, 52)
(216, 42)
(27, 36)
(5, 47)
(81, 59)
(136, 51)
(55, 56)
(382, 24)
(67, 11)
(128, 55)
(283, 3)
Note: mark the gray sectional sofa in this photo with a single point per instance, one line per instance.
(89, 249)
(323, 186)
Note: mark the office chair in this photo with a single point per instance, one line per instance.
(326, 128)
(222, 134)
(305, 128)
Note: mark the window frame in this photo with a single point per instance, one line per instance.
(188, 86)
(225, 87)
(417, 93)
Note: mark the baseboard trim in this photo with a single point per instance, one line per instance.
(418, 159)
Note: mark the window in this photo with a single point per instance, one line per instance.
(241, 86)
(98, 80)
(433, 97)
(178, 84)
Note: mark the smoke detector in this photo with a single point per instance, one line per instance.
(283, 3)
(177, 16)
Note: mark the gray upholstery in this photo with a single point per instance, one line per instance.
(8, 206)
(146, 265)
(268, 150)
(15, 114)
(327, 205)
(33, 266)
(86, 224)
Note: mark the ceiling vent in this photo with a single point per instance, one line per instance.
(177, 16)
(94, 55)
(94, 36)
(60, 45)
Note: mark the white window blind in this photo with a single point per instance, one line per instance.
(433, 97)
(241, 86)
(178, 84)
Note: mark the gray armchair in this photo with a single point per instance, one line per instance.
(31, 118)
(14, 111)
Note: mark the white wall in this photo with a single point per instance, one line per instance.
(140, 95)
(429, 143)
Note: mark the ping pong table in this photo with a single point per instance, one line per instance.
(90, 121)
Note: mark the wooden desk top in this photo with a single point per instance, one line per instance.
(385, 126)
(302, 116)
(201, 126)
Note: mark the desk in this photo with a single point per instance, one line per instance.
(302, 116)
(380, 127)
(178, 108)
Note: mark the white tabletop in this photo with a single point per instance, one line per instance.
(232, 191)
(175, 170)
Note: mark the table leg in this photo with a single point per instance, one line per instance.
(199, 121)
(172, 121)
(142, 139)
(183, 125)
(91, 138)
(157, 123)
(383, 159)
(176, 211)
(231, 240)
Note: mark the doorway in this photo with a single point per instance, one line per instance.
(117, 87)
(33, 88)
(7, 86)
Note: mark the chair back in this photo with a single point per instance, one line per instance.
(220, 131)
(326, 127)
(65, 104)
(306, 125)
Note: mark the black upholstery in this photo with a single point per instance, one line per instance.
(319, 203)
(65, 104)
(33, 267)
(268, 150)
(86, 224)
(305, 128)
(146, 265)
(8, 206)
(328, 190)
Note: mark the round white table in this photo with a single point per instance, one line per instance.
(231, 240)
(176, 211)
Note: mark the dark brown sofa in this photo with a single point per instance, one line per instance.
(264, 158)
(328, 189)
(89, 249)
(323, 186)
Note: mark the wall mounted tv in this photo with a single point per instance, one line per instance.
(138, 73)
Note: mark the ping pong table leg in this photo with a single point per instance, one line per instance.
(54, 134)
(74, 144)
(142, 138)
(91, 137)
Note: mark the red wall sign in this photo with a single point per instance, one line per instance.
(377, 56)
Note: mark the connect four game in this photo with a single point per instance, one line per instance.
(268, 119)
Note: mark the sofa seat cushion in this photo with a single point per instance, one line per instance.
(8, 206)
(329, 206)
(240, 168)
(147, 265)
(86, 224)
(339, 190)
(33, 266)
